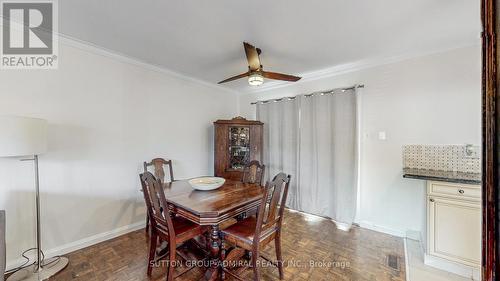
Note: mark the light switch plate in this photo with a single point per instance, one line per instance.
(382, 135)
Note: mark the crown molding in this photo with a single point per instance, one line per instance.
(354, 66)
(98, 50)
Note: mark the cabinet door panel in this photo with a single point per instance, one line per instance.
(221, 154)
(256, 143)
(455, 230)
(239, 138)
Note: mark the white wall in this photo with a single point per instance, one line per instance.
(434, 99)
(106, 116)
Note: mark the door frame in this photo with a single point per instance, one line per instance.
(490, 153)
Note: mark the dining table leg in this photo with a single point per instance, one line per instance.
(214, 272)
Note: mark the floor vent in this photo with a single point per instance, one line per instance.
(393, 262)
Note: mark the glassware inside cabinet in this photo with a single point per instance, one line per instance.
(239, 147)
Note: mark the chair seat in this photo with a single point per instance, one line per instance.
(242, 233)
(244, 229)
(185, 229)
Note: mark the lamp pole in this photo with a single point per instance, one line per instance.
(37, 206)
(38, 231)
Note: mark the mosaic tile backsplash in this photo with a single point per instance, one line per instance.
(456, 158)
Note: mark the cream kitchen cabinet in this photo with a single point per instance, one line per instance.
(454, 227)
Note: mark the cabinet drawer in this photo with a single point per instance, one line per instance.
(452, 190)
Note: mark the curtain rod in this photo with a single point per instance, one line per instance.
(308, 95)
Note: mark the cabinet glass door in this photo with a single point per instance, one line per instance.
(239, 147)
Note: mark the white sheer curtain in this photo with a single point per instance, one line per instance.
(314, 139)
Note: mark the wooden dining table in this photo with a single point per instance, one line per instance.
(212, 208)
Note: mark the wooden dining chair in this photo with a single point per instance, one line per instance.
(253, 172)
(159, 172)
(254, 233)
(164, 227)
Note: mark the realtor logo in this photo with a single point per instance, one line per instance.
(29, 35)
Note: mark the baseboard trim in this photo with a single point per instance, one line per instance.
(383, 229)
(82, 243)
(362, 224)
(414, 235)
(453, 267)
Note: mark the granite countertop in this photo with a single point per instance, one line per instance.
(448, 176)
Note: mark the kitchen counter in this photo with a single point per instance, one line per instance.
(447, 176)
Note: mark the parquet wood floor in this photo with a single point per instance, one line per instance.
(359, 255)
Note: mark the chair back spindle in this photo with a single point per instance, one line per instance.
(157, 204)
(253, 172)
(159, 172)
(270, 214)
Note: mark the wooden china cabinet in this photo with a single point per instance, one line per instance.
(237, 142)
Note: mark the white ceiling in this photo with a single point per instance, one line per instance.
(203, 39)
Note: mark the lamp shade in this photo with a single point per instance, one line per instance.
(22, 136)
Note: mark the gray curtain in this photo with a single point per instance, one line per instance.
(281, 129)
(314, 138)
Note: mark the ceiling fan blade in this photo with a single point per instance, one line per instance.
(280, 76)
(235, 77)
(252, 56)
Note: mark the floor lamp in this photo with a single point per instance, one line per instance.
(23, 136)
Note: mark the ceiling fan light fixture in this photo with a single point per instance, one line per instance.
(255, 73)
(255, 79)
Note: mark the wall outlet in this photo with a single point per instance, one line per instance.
(471, 151)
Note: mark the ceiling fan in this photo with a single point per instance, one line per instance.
(255, 72)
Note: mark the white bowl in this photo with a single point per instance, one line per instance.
(206, 183)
